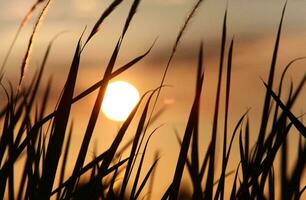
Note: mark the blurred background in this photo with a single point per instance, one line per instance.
(252, 24)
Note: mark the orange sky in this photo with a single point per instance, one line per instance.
(253, 24)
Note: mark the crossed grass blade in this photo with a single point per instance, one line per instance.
(276, 123)
(266, 106)
(64, 161)
(280, 121)
(98, 102)
(280, 87)
(151, 183)
(252, 175)
(50, 116)
(299, 125)
(267, 164)
(4, 134)
(273, 143)
(113, 148)
(85, 190)
(111, 193)
(139, 130)
(113, 75)
(146, 178)
(59, 128)
(33, 92)
(104, 15)
(134, 192)
(188, 162)
(175, 185)
(88, 91)
(7, 142)
(34, 150)
(174, 48)
(94, 187)
(91, 165)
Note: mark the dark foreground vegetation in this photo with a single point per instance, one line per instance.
(25, 140)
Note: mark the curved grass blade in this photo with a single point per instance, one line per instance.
(35, 88)
(133, 192)
(30, 44)
(77, 98)
(118, 139)
(109, 153)
(113, 75)
(96, 109)
(104, 15)
(293, 119)
(145, 179)
(139, 130)
(281, 83)
(174, 48)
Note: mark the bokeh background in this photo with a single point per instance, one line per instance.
(252, 24)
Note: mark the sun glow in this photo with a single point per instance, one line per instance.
(119, 100)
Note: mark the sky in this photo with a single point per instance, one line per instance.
(252, 24)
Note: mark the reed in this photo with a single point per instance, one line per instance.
(25, 139)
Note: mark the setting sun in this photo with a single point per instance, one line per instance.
(120, 99)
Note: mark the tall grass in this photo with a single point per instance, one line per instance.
(24, 139)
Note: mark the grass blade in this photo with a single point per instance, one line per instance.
(174, 48)
(139, 130)
(140, 166)
(145, 179)
(151, 183)
(266, 107)
(64, 162)
(185, 143)
(293, 119)
(210, 179)
(221, 184)
(104, 15)
(30, 44)
(60, 124)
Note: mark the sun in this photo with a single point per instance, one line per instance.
(119, 100)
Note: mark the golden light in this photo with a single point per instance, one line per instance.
(119, 100)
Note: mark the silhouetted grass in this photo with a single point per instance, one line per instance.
(25, 138)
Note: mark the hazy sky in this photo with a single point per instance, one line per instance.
(252, 23)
